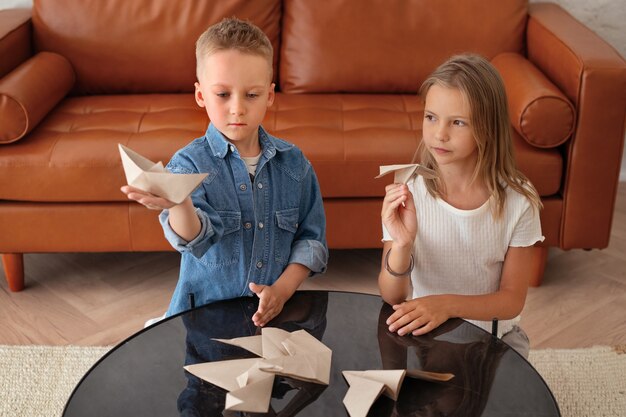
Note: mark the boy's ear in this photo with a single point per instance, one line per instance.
(198, 95)
(271, 95)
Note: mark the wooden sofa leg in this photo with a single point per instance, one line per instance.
(14, 270)
(537, 275)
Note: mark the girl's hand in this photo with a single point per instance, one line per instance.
(151, 201)
(399, 215)
(418, 316)
(270, 304)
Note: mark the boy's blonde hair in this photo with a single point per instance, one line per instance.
(233, 33)
(482, 87)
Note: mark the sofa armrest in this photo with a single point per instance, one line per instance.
(30, 91)
(593, 76)
(539, 111)
(15, 38)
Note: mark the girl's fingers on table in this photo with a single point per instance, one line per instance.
(399, 322)
(424, 329)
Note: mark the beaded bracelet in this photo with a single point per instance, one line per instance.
(394, 273)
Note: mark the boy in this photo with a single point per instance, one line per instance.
(256, 224)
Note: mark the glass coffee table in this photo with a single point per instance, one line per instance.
(144, 375)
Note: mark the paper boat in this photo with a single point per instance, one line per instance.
(152, 177)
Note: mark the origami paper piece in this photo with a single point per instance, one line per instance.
(250, 389)
(154, 178)
(298, 355)
(367, 386)
(250, 343)
(403, 173)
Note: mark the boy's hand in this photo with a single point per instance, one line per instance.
(270, 303)
(399, 215)
(151, 201)
(418, 316)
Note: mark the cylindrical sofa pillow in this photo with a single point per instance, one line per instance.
(539, 111)
(30, 91)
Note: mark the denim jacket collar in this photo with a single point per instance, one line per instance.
(220, 145)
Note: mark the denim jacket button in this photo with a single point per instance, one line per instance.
(260, 225)
(260, 185)
(243, 187)
(247, 225)
(259, 265)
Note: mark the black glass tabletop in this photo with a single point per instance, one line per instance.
(144, 375)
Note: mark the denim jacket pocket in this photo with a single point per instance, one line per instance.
(227, 251)
(287, 225)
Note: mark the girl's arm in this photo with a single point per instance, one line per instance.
(394, 289)
(421, 315)
(399, 217)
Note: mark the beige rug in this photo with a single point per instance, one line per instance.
(35, 381)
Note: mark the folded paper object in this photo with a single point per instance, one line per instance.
(367, 386)
(249, 381)
(403, 173)
(154, 178)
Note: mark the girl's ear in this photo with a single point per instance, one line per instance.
(198, 95)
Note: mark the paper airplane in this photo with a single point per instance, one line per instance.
(403, 173)
(249, 381)
(152, 177)
(367, 386)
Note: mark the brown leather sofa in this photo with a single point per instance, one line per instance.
(77, 77)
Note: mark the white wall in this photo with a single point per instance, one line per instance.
(605, 17)
(9, 4)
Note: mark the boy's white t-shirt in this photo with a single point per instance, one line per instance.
(251, 163)
(462, 251)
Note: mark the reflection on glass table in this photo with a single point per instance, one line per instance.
(144, 375)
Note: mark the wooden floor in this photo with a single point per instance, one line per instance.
(100, 299)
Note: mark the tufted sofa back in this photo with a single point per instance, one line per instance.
(138, 46)
(383, 46)
(335, 46)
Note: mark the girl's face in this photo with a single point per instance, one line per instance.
(447, 132)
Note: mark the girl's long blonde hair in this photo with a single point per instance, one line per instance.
(483, 88)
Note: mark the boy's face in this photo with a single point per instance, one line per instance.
(235, 89)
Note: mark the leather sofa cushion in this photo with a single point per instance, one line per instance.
(30, 91)
(139, 46)
(539, 111)
(388, 46)
(72, 156)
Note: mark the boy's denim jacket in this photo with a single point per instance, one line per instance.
(250, 230)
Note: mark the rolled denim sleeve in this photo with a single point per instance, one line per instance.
(309, 247)
(199, 245)
(310, 253)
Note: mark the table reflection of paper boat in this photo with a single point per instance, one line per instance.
(152, 177)
(403, 173)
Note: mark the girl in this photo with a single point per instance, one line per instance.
(464, 240)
